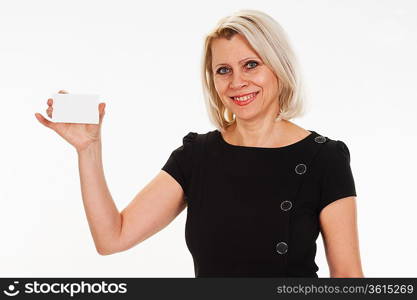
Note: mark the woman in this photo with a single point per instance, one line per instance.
(258, 190)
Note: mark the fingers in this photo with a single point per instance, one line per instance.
(49, 112)
(50, 107)
(50, 103)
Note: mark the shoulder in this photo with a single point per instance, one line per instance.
(194, 143)
(334, 150)
(189, 138)
(337, 147)
(192, 137)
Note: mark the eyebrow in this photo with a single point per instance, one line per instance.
(239, 61)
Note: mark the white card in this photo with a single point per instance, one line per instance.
(75, 108)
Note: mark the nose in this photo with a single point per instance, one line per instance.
(237, 81)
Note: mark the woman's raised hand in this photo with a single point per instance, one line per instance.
(78, 135)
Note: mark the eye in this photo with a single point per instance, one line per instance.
(253, 63)
(219, 70)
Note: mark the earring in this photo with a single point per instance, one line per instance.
(227, 114)
(278, 118)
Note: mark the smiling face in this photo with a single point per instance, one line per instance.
(245, 85)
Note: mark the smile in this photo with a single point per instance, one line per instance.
(244, 100)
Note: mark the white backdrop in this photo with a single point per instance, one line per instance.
(359, 62)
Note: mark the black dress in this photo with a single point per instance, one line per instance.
(254, 212)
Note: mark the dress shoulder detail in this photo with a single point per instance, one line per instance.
(338, 150)
(189, 138)
(343, 148)
(337, 178)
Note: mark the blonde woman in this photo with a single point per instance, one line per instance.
(258, 189)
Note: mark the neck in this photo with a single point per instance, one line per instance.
(263, 133)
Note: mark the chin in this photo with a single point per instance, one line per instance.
(246, 117)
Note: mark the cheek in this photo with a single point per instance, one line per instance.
(269, 84)
(221, 87)
(266, 79)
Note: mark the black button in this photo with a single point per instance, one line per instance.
(300, 169)
(320, 139)
(286, 205)
(282, 247)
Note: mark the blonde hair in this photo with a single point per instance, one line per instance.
(269, 40)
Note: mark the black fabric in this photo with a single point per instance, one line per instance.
(234, 193)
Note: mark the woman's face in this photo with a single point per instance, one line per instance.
(245, 85)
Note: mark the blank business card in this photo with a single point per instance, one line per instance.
(75, 108)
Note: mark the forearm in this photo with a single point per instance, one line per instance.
(352, 268)
(348, 275)
(102, 214)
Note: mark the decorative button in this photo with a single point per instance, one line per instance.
(320, 139)
(286, 205)
(282, 247)
(300, 169)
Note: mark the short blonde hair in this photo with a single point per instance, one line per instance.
(270, 42)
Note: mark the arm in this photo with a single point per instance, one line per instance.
(152, 209)
(340, 237)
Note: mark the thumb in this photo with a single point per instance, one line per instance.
(101, 111)
(44, 121)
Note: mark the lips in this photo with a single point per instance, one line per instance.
(243, 95)
(246, 101)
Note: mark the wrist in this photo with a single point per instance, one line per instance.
(91, 149)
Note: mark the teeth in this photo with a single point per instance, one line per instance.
(244, 98)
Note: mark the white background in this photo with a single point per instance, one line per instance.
(359, 62)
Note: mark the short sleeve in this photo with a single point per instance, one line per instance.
(337, 181)
(179, 163)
